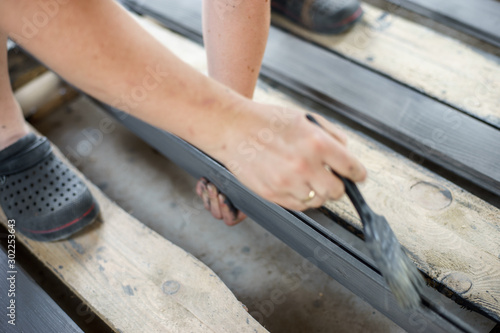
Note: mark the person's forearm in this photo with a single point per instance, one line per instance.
(99, 47)
(235, 34)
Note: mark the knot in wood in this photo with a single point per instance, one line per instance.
(458, 282)
(170, 287)
(430, 196)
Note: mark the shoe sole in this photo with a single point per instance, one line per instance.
(65, 230)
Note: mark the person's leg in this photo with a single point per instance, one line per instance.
(43, 196)
(12, 125)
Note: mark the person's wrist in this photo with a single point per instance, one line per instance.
(241, 120)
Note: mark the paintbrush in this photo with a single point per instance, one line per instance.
(399, 271)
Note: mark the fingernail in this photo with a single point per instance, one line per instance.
(205, 198)
(231, 207)
(211, 189)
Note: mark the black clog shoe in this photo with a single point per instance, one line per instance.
(322, 16)
(46, 199)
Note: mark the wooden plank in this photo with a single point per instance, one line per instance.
(417, 56)
(479, 18)
(137, 281)
(23, 68)
(451, 234)
(44, 94)
(33, 310)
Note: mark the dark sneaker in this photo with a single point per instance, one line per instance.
(46, 199)
(323, 16)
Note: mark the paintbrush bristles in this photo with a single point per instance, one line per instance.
(399, 271)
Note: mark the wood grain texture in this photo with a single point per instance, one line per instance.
(419, 57)
(35, 311)
(137, 281)
(23, 68)
(479, 18)
(452, 235)
(44, 94)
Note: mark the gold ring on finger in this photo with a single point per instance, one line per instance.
(311, 196)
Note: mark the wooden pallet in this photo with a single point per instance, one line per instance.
(445, 228)
(137, 281)
(432, 185)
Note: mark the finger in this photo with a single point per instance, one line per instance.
(200, 185)
(329, 186)
(240, 217)
(291, 202)
(299, 195)
(199, 188)
(230, 215)
(332, 129)
(202, 191)
(316, 201)
(226, 202)
(214, 201)
(344, 163)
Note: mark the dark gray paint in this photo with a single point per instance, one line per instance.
(332, 254)
(35, 310)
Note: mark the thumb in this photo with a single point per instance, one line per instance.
(332, 129)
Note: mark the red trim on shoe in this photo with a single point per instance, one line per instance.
(349, 19)
(63, 226)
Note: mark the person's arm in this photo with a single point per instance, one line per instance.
(97, 46)
(235, 35)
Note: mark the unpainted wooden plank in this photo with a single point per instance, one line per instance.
(22, 67)
(419, 57)
(137, 281)
(480, 18)
(44, 94)
(451, 234)
(25, 306)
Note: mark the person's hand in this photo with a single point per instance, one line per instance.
(217, 203)
(281, 156)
